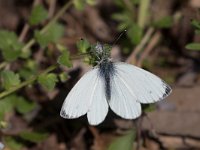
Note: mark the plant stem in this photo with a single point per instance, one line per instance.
(57, 16)
(25, 83)
(152, 43)
(132, 58)
(143, 12)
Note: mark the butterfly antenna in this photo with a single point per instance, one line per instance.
(116, 40)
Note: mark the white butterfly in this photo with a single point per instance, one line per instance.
(118, 85)
(1, 146)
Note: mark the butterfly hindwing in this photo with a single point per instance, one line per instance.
(123, 100)
(99, 106)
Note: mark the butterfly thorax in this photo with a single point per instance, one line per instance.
(101, 53)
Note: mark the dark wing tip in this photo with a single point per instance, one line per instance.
(168, 90)
(63, 114)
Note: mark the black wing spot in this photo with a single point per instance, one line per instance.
(63, 114)
(168, 90)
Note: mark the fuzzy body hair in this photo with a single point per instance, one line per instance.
(101, 53)
(106, 71)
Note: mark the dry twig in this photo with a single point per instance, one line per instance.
(132, 58)
(52, 7)
(26, 26)
(153, 42)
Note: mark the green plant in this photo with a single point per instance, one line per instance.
(135, 17)
(124, 142)
(30, 72)
(194, 45)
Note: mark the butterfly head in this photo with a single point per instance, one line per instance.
(100, 52)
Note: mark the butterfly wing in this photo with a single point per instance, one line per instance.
(99, 106)
(123, 101)
(78, 100)
(87, 96)
(147, 87)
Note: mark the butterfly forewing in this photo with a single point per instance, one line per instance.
(79, 98)
(147, 87)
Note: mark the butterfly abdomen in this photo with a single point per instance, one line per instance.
(106, 71)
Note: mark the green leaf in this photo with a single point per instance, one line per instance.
(10, 102)
(38, 14)
(79, 4)
(29, 69)
(54, 33)
(136, 2)
(197, 32)
(83, 46)
(124, 17)
(10, 55)
(135, 34)
(25, 54)
(165, 22)
(12, 143)
(3, 124)
(9, 45)
(48, 81)
(26, 73)
(150, 108)
(63, 76)
(7, 105)
(91, 2)
(196, 24)
(34, 137)
(64, 59)
(24, 106)
(120, 3)
(9, 79)
(193, 46)
(124, 142)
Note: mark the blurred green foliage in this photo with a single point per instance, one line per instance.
(19, 103)
(135, 17)
(9, 79)
(125, 142)
(80, 4)
(83, 46)
(64, 58)
(48, 81)
(34, 137)
(9, 45)
(194, 45)
(12, 143)
(30, 136)
(54, 33)
(38, 14)
(165, 22)
(28, 72)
